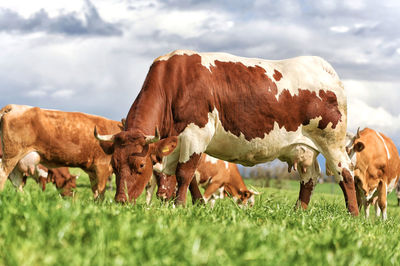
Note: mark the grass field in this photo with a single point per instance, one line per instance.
(40, 228)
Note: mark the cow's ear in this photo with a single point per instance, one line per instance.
(359, 146)
(165, 146)
(108, 147)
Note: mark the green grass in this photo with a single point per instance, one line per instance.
(40, 228)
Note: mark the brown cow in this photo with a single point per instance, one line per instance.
(241, 110)
(54, 138)
(377, 169)
(215, 176)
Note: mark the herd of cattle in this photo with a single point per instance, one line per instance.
(239, 110)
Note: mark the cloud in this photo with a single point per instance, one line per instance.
(67, 24)
(62, 53)
(339, 29)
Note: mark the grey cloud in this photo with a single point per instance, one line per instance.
(67, 24)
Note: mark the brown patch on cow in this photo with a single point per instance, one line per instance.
(340, 164)
(277, 75)
(349, 192)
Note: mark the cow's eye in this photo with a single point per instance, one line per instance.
(141, 165)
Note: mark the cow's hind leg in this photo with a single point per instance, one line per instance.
(309, 177)
(7, 166)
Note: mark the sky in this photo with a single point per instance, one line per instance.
(92, 56)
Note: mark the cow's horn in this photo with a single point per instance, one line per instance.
(254, 192)
(152, 139)
(358, 133)
(108, 138)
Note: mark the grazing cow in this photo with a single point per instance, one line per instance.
(54, 139)
(215, 176)
(241, 110)
(377, 169)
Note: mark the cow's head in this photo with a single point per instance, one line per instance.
(243, 197)
(246, 197)
(133, 156)
(364, 181)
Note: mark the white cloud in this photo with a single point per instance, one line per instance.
(63, 94)
(37, 93)
(189, 24)
(362, 115)
(339, 29)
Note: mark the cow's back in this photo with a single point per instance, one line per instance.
(245, 110)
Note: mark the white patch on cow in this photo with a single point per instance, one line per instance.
(384, 143)
(371, 194)
(158, 167)
(19, 109)
(41, 172)
(197, 176)
(211, 159)
(303, 72)
(391, 185)
(226, 165)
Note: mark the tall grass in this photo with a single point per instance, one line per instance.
(40, 228)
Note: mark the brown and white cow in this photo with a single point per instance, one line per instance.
(218, 178)
(215, 176)
(54, 138)
(241, 110)
(377, 169)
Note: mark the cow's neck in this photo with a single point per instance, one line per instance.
(147, 111)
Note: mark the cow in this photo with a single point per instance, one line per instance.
(241, 110)
(377, 168)
(217, 177)
(54, 138)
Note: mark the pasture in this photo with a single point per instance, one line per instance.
(40, 228)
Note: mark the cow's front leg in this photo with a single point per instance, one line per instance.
(17, 179)
(150, 189)
(184, 176)
(195, 192)
(382, 202)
